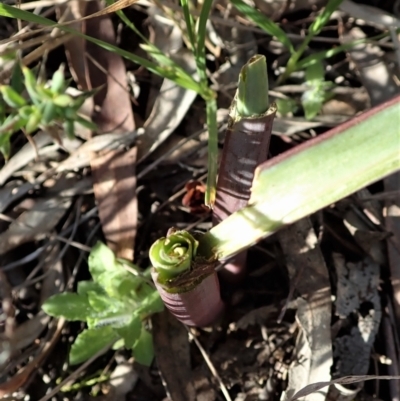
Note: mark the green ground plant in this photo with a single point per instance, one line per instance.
(114, 305)
(28, 104)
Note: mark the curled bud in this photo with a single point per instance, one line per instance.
(173, 255)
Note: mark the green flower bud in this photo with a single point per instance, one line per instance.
(173, 254)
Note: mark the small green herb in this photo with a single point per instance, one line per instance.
(114, 305)
(28, 105)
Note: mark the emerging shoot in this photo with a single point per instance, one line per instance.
(173, 254)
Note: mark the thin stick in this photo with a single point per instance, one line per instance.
(210, 366)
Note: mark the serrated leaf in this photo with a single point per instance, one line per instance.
(111, 275)
(101, 260)
(69, 306)
(90, 342)
(143, 350)
(131, 332)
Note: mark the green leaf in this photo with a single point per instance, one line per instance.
(150, 305)
(100, 301)
(69, 128)
(115, 319)
(323, 18)
(331, 167)
(90, 342)
(48, 112)
(86, 123)
(118, 344)
(101, 260)
(312, 101)
(286, 106)
(264, 23)
(5, 147)
(131, 332)
(212, 148)
(33, 121)
(62, 100)
(16, 81)
(68, 305)
(11, 97)
(58, 81)
(30, 84)
(315, 72)
(111, 275)
(143, 350)
(88, 285)
(12, 123)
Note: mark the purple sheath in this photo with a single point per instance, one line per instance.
(200, 306)
(246, 146)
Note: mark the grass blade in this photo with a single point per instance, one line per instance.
(211, 108)
(201, 38)
(264, 23)
(189, 23)
(323, 18)
(166, 72)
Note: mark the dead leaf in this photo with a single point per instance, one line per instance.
(34, 224)
(170, 108)
(310, 277)
(357, 295)
(392, 222)
(75, 48)
(311, 388)
(113, 172)
(114, 188)
(22, 377)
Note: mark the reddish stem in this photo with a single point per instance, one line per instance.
(246, 146)
(194, 297)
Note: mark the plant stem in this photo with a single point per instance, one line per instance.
(200, 306)
(246, 146)
(211, 110)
